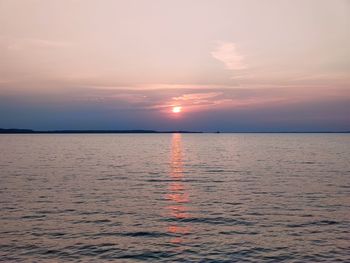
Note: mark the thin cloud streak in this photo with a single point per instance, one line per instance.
(21, 44)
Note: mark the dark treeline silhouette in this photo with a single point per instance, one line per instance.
(29, 131)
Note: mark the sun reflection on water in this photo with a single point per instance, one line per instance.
(177, 194)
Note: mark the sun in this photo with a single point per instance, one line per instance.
(177, 109)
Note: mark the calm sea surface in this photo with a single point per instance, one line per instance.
(175, 197)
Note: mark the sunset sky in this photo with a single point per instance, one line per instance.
(230, 65)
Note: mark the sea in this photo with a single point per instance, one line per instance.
(175, 197)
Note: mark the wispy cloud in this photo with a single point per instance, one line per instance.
(32, 43)
(227, 53)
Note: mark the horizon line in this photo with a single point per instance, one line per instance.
(137, 131)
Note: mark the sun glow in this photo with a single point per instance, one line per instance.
(177, 109)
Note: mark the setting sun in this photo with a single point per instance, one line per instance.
(177, 109)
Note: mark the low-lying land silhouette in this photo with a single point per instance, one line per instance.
(29, 131)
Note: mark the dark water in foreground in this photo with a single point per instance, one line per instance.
(173, 197)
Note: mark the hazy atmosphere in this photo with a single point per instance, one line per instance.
(207, 131)
(227, 65)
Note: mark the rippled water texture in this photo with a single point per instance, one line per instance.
(175, 197)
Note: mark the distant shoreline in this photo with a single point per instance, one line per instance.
(29, 131)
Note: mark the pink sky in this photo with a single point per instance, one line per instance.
(206, 56)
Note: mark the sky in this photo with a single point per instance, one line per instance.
(231, 65)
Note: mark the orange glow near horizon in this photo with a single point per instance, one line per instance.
(177, 109)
